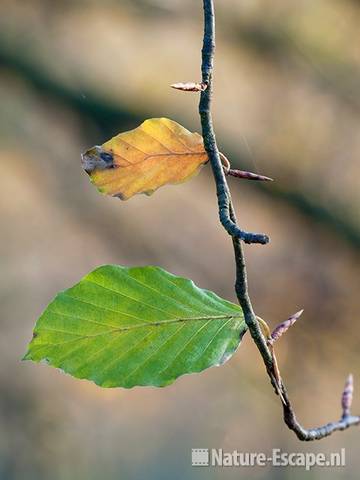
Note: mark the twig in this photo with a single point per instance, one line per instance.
(228, 220)
(222, 189)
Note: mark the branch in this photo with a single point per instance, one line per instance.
(229, 222)
(222, 189)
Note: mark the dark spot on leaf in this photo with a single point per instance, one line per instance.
(107, 158)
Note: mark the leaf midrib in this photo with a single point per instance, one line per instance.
(138, 326)
(155, 155)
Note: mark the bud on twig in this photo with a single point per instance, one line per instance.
(241, 173)
(189, 87)
(284, 327)
(347, 396)
(248, 175)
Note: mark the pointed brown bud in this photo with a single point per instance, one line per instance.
(347, 396)
(189, 87)
(284, 327)
(248, 175)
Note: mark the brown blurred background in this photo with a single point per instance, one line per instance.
(287, 105)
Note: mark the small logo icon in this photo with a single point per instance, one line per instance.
(200, 457)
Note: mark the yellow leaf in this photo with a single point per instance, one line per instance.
(158, 152)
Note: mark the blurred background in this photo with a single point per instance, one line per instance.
(287, 105)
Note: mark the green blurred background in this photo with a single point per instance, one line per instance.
(287, 105)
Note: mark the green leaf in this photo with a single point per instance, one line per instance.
(122, 327)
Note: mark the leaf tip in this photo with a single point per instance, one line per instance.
(96, 158)
(27, 356)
